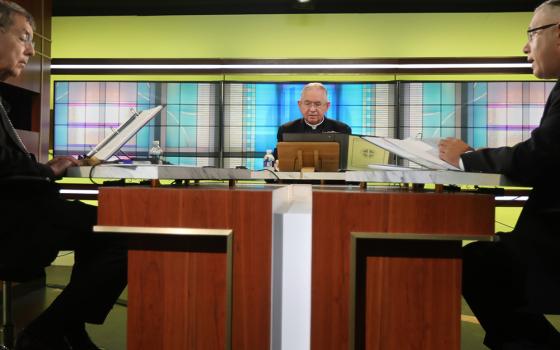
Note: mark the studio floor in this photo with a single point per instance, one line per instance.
(112, 334)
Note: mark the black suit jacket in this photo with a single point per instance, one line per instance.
(14, 160)
(536, 236)
(32, 213)
(299, 126)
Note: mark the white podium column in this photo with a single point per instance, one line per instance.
(291, 268)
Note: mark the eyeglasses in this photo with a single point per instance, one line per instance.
(27, 39)
(531, 32)
(309, 104)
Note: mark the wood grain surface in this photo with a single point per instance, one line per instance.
(410, 300)
(177, 299)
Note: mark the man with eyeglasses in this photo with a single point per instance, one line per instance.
(313, 105)
(36, 222)
(512, 282)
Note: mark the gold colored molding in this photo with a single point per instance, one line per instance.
(420, 236)
(160, 231)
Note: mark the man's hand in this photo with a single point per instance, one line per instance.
(60, 164)
(450, 150)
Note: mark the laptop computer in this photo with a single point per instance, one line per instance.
(114, 141)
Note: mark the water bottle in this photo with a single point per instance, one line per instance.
(156, 153)
(268, 161)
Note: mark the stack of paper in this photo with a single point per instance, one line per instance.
(417, 151)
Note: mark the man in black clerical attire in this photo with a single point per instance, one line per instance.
(313, 104)
(512, 282)
(36, 222)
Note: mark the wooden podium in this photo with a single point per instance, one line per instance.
(178, 298)
(386, 268)
(371, 291)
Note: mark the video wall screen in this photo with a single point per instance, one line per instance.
(233, 124)
(187, 128)
(254, 111)
(483, 114)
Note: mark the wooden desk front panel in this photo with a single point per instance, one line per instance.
(407, 302)
(176, 300)
(183, 307)
(412, 295)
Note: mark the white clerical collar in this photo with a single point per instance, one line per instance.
(314, 126)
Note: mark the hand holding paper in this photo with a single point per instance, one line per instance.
(450, 150)
(417, 151)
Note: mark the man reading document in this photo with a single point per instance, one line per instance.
(511, 283)
(37, 224)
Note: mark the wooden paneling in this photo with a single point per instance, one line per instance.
(396, 289)
(180, 298)
(36, 9)
(43, 124)
(412, 297)
(405, 293)
(192, 284)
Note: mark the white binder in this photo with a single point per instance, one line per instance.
(113, 142)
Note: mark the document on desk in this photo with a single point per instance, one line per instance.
(115, 140)
(420, 152)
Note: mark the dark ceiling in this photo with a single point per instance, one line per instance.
(207, 7)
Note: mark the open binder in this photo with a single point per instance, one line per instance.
(114, 141)
(420, 152)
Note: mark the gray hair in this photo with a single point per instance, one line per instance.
(7, 9)
(317, 86)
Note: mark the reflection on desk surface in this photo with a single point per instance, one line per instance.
(179, 172)
(149, 172)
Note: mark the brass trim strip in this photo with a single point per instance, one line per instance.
(161, 230)
(352, 298)
(421, 236)
(229, 291)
